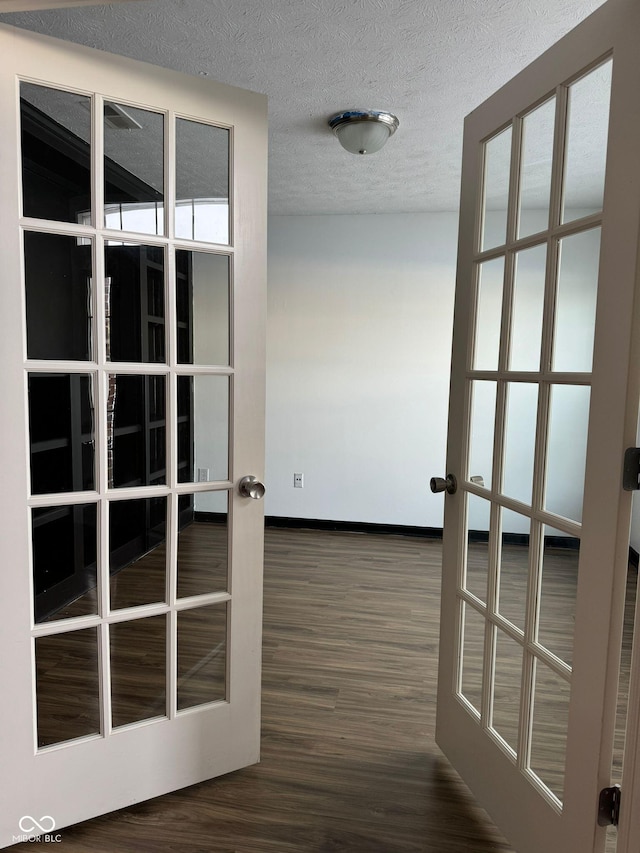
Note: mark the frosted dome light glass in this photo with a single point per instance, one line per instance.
(362, 137)
(363, 131)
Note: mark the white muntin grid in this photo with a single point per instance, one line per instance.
(544, 378)
(99, 369)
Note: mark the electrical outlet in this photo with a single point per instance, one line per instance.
(298, 481)
(203, 475)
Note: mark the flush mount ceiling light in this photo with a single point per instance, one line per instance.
(363, 131)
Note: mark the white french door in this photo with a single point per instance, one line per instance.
(133, 213)
(544, 401)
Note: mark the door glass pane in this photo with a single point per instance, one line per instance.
(133, 169)
(527, 311)
(56, 154)
(520, 440)
(514, 567)
(586, 146)
(137, 551)
(488, 315)
(64, 542)
(478, 523)
(58, 273)
(567, 450)
(61, 432)
(136, 430)
(67, 694)
(506, 689)
(549, 728)
(558, 590)
(138, 670)
(576, 302)
(203, 543)
(202, 307)
(135, 303)
(202, 655)
(535, 169)
(472, 657)
(203, 428)
(202, 182)
(497, 163)
(481, 430)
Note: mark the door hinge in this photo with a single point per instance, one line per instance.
(631, 469)
(609, 806)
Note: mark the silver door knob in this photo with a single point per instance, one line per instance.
(251, 487)
(440, 484)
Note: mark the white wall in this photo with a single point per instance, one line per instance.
(360, 313)
(572, 351)
(211, 393)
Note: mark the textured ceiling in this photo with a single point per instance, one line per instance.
(428, 61)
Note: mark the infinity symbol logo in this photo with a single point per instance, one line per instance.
(28, 824)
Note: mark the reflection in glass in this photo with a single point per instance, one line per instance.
(514, 567)
(549, 729)
(56, 154)
(202, 307)
(586, 146)
(57, 272)
(137, 551)
(478, 523)
(472, 658)
(567, 450)
(64, 542)
(202, 182)
(203, 428)
(133, 169)
(67, 695)
(61, 432)
(558, 591)
(482, 425)
(136, 430)
(138, 669)
(535, 169)
(576, 301)
(135, 303)
(506, 689)
(202, 655)
(496, 189)
(528, 306)
(626, 654)
(203, 543)
(520, 440)
(488, 315)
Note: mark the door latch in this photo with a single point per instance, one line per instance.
(609, 806)
(631, 470)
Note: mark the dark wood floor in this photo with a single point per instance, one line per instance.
(349, 761)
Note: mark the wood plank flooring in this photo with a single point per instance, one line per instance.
(349, 761)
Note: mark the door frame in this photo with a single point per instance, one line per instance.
(33, 5)
(629, 826)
